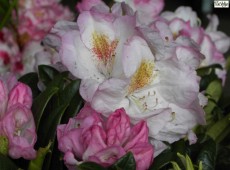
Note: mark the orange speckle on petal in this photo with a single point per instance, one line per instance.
(103, 48)
(142, 77)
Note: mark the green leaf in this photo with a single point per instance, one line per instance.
(169, 155)
(40, 103)
(37, 163)
(75, 104)
(214, 90)
(50, 122)
(125, 162)
(31, 79)
(186, 161)
(208, 155)
(175, 166)
(7, 10)
(223, 159)
(6, 163)
(219, 127)
(208, 69)
(90, 166)
(69, 92)
(47, 73)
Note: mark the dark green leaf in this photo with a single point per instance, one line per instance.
(169, 155)
(42, 100)
(6, 163)
(207, 70)
(125, 162)
(45, 136)
(39, 104)
(90, 166)
(75, 104)
(7, 12)
(69, 92)
(47, 73)
(223, 159)
(208, 155)
(219, 127)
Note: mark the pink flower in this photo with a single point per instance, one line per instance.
(104, 142)
(146, 10)
(16, 120)
(18, 125)
(184, 23)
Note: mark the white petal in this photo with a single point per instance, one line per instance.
(88, 88)
(178, 84)
(77, 58)
(109, 95)
(134, 52)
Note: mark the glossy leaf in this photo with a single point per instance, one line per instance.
(42, 100)
(169, 155)
(208, 155)
(47, 131)
(40, 103)
(125, 162)
(90, 166)
(47, 73)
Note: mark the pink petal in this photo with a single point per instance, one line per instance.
(93, 141)
(22, 94)
(118, 128)
(143, 155)
(108, 156)
(139, 134)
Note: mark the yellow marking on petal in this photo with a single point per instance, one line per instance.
(142, 77)
(103, 48)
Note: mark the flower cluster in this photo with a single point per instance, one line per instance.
(87, 137)
(20, 44)
(17, 127)
(135, 67)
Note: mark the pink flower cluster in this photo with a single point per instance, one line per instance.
(87, 137)
(17, 127)
(213, 43)
(20, 44)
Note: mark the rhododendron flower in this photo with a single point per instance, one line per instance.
(17, 125)
(125, 69)
(20, 48)
(88, 138)
(38, 17)
(213, 43)
(146, 10)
